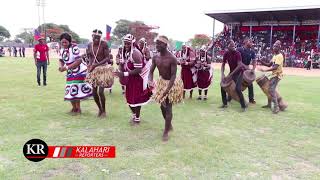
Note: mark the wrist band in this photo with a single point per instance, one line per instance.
(67, 67)
(126, 73)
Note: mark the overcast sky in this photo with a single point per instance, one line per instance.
(178, 19)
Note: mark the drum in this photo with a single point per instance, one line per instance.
(248, 77)
(264, 84)
(230, 88)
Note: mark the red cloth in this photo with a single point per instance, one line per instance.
(42, 49)
(186, 76)
(135, 94)
(203, 79)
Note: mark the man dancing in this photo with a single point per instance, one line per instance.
(169, 89)
(248, 56)
(276, 65)
(233, 58)
(137, 92)
(144, 49)
(100, 75)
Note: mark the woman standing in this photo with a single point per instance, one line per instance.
(70, 60)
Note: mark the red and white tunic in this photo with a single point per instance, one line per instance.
(204, 76)
(137, 91)
(188, 72)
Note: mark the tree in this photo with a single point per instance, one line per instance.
(140, 30)
(137, 28)
(26, 36)
(4, 33)
(17, 40)
(122, 28)
(54, 31)
(200, 40)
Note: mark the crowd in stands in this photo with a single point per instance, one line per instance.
(297, 52)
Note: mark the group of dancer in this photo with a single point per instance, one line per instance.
(90, 73)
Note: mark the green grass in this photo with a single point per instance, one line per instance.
(207, 142)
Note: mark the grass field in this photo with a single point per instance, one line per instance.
(207, 142)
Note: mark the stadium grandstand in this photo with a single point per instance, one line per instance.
(298, 28)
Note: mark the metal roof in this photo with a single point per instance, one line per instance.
(298, 13)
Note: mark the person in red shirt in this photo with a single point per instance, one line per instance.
(234, 60)
(41, 59)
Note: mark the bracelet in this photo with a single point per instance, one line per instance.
(126, 73)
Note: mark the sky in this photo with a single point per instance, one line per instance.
(177, 19)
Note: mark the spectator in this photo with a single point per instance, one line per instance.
(41, 58)
(23, 51)
(20, 51)
(15, 51)
(9, 51)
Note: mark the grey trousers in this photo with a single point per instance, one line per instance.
(272, 90)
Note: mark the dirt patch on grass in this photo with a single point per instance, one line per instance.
(71, 168)
(5, 161)
(299, 170)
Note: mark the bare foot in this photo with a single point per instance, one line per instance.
(99, 113)
(170, 128)
(103, 115)
(165, 136)
(72, 111)
(77, 112)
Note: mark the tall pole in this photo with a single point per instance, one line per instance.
(271, 35)
(231, 31)
(213, 28)
(250, 33)
(43, 4)
(38, 4)
(294, 34)
(318, 45)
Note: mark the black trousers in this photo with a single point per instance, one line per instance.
(238, 80)
(43, 65)
(250, 92)
(308, 66)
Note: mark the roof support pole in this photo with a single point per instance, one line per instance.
(231, 32)
(294, 34)
(271, 36)
(213, 28)
(318, 44)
